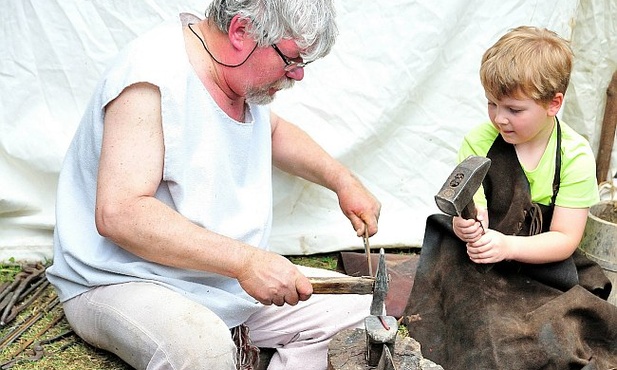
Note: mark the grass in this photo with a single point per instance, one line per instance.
(42, 326)
(324, 261)
(67, 351)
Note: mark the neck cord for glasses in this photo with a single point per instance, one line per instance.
(212, 56)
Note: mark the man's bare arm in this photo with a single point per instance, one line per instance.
(297, 153)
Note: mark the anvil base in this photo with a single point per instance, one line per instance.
(347, 351)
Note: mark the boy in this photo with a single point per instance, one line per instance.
(525, 76)
(538, 305)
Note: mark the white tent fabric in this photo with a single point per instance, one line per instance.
(392, 102)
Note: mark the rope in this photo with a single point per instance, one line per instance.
(248, 354)
(535, 214)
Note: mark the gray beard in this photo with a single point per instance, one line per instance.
(260, 95)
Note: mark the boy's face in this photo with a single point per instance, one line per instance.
(523, 120)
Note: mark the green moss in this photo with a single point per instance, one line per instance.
(325, 261)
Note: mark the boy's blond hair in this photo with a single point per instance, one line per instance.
(527, 62)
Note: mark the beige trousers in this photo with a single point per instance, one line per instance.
(152, 327)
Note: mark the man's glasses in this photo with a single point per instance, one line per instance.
(290, 64)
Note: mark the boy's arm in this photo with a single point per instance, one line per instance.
(555, 245)
(558, 243)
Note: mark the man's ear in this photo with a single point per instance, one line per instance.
(555, 104)
(238, 33)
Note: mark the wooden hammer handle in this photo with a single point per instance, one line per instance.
(470, 211)
(342, 285)
(607, 133)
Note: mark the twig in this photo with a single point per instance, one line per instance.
(29, 322)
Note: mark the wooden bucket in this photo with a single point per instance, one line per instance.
(599, 241)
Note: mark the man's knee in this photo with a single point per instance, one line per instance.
(151, 327)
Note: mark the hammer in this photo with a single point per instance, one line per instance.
(456, 195)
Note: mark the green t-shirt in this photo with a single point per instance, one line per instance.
(578, 186)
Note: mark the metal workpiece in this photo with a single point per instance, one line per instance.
(381, 286)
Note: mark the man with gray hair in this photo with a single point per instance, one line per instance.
(164, 205)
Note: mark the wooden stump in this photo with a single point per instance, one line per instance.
(347, 351)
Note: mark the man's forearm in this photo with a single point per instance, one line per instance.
(153, 231)
(296, 153)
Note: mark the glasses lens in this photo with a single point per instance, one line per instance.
(294, 65)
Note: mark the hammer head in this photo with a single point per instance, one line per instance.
(458, 190)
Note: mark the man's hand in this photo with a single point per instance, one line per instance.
(360, 206)
(273, 279)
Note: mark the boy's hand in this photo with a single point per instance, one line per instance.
(491, 247)
(470, 230)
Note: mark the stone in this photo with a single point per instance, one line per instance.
(347, 351)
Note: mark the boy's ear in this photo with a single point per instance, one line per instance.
(555, 104)
(238, 33)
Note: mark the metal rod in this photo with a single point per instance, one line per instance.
(367, 250)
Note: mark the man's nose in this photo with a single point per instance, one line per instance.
(296, 74)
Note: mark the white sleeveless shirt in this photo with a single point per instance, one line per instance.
(217, 173)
